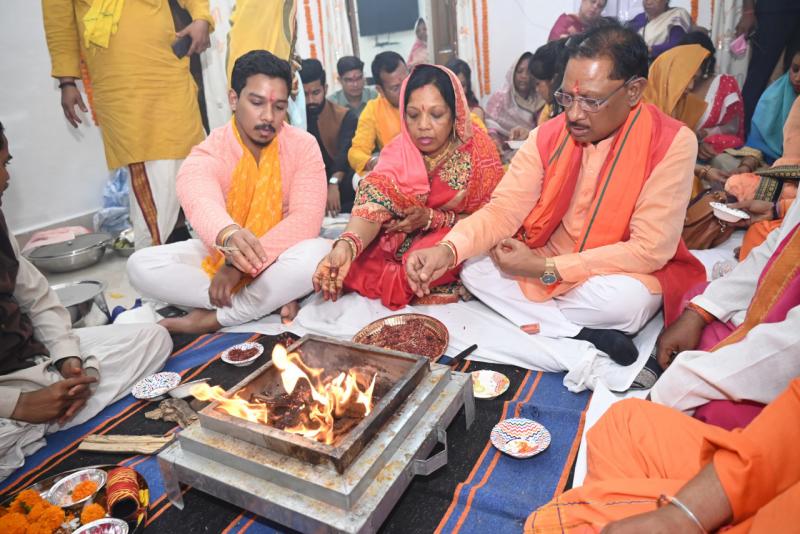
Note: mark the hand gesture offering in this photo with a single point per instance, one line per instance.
(332, 270)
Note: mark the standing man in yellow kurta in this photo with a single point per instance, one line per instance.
(145, 98)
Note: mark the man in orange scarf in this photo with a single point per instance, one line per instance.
(255, 192)
(583, 232)
(379, 123)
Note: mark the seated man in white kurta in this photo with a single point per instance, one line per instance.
(255, 193)
(740, 339)
(51, 376)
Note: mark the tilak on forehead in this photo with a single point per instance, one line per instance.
(577, 87)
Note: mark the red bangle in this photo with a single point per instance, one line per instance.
(704, 314)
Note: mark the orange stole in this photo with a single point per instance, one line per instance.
(639, 145)
(781, 273)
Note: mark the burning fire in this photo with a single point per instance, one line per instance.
(329, 400)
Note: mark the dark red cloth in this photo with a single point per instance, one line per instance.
(17, 344)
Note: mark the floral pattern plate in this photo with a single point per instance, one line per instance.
(519, 437)
(154, 386)
(488, 384)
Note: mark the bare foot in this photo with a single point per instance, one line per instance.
(194, 322)
(289, 312)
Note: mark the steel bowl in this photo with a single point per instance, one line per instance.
(107, 525)
(61, 492)
(82, 251)
(82, 298)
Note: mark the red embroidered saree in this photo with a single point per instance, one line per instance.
(463, 182)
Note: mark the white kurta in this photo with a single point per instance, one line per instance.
(173, 274)
(119, 355)
(757, 368)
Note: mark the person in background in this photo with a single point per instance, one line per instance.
(654, 470)
(353, 95)
(145, 97)
(379, 123)
(570, 24)
(722, 124)
(51, 376)
(255, 193)
(671, 80)
(661, 26)
(511, 112)
(546, 67)
(333, 126)
(419, 50)
(461, 69)
(589, 214)
(773, 26)
(439, 169)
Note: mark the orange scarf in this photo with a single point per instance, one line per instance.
(669, 76)
(255, 199)
(778, 282)
(387, 119)
(639, 145)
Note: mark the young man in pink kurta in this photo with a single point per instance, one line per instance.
(279, 263)
(596, 233)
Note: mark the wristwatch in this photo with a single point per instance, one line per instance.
(333, 180)
(549, 277)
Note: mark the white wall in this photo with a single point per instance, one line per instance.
(57, 173)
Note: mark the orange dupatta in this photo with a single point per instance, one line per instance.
(255, 200)
(669, 76)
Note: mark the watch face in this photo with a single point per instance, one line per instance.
(548, 279)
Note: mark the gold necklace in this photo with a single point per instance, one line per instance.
(431, 162)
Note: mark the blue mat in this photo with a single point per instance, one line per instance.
(479, 490)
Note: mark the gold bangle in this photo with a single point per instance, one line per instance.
(453, 250)
(227, 233)
(350, 244)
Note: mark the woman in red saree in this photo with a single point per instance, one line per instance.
(438, 170)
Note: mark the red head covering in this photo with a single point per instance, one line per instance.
(401, 160)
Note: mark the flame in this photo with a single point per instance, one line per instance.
(330, 399)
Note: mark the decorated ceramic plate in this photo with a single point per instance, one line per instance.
(154, 386)
(243, 354)
(519, 437)
(726, 213)
(488, 384)
(413, 333)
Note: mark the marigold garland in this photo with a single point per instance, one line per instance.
(321, 29)
(92, 512)
(87, 88)
(478, 62)
(30, 514)
(310, 29)
(485, 22)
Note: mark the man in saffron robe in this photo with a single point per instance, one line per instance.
(735, 347)
(144, 97)
(583, 231)
(379, 123)
(255, 193)
(653, 469)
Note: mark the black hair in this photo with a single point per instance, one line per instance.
(348, 63)
(259, 62)
(387, 62)
(792, 50)
(311, 70)
(459, 66)
(701, 38)
(544, 63)
(2, 143)
(626, 49)
(428, 74)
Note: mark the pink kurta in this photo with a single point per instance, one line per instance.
(205, 178)
(655, 227)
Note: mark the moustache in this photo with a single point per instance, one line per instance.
(571, 124)
(266, 128)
